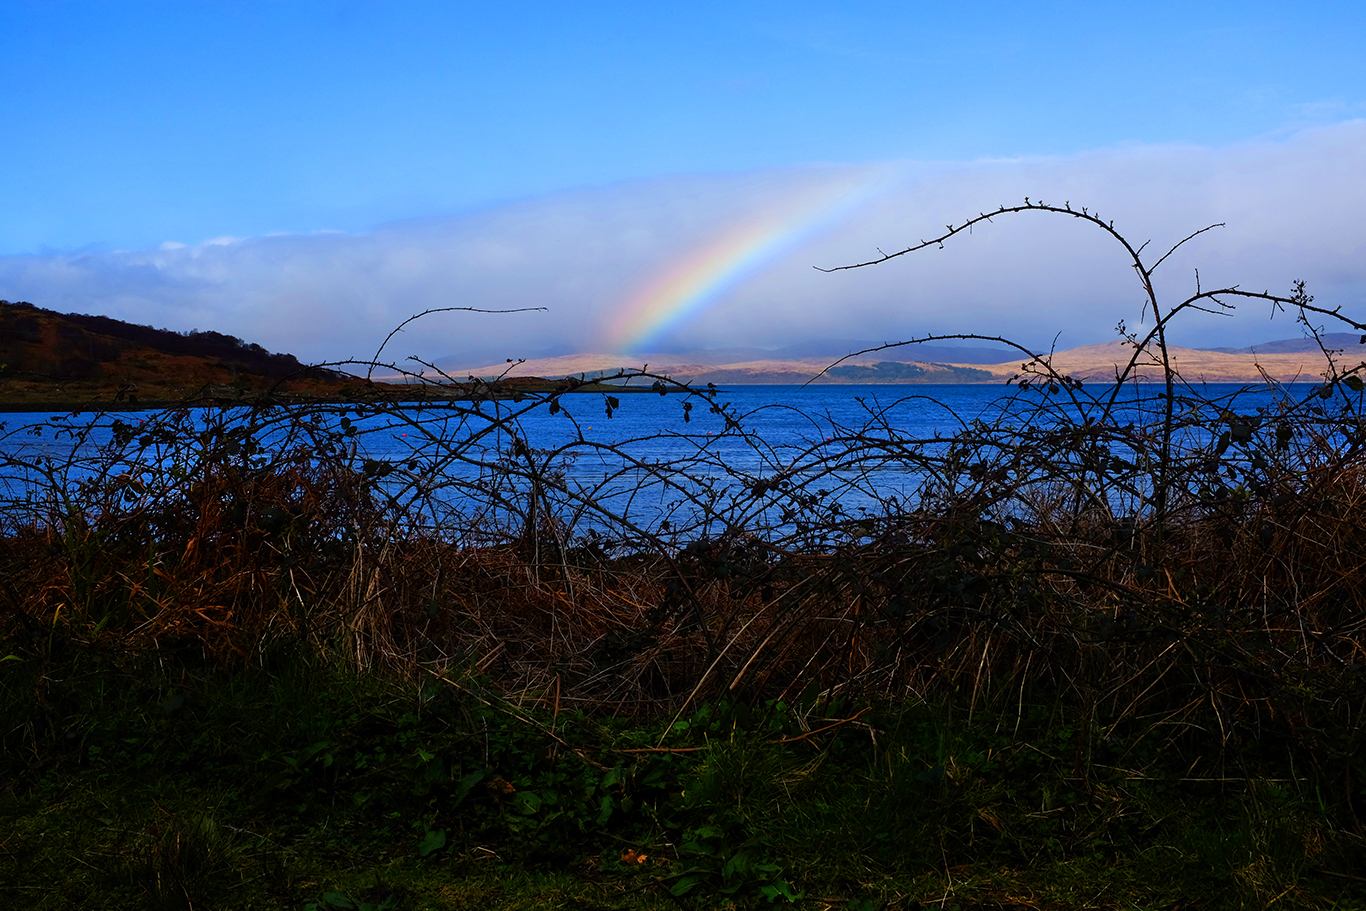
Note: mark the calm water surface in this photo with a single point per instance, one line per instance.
(816, 433)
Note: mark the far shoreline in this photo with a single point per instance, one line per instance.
(255, 401)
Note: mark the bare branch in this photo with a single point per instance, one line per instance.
(399, 327)
(918, 341)
(1182, 241)
(967, 225)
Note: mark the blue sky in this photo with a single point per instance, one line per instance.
(128, 125)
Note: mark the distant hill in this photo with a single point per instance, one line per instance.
(1341, 341)
(1098, 363)
(920, 352)
(53, 361)
(1284, 361)
(50, 357)
(822, 351)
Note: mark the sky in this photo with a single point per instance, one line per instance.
(306, 175)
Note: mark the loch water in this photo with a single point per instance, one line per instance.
(679, 459)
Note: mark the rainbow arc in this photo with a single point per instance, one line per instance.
(714, 268)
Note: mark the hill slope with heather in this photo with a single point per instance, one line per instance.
(67, 361)
(48, 357)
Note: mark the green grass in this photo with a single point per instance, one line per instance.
(136, 783)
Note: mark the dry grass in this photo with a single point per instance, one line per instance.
(1239, 611)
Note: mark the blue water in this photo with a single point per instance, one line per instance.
(672, 465)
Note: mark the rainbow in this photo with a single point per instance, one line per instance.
(726, 260)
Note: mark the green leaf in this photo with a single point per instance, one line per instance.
(736, 863)
(1354, 383)
(316, 748)
(784, 888)
(469, 781)
(432, 842)
(526, 802)
(605, 808)
(683, 885)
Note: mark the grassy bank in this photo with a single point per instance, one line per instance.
(290, 783)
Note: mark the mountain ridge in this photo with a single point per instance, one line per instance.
(45, 355)
(1290, 361)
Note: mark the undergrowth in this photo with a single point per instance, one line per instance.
(297, 784)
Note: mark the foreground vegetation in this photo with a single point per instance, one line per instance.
(289, 785)
(1107, 654)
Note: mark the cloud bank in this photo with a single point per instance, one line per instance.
(1293, 209)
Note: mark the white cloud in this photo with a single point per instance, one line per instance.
(1293, 209)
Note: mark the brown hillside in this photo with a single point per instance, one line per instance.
(65, 361)
(1098, 363)
(1092, 363)
(49, 358)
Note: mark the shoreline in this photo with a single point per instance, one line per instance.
(255, 399)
